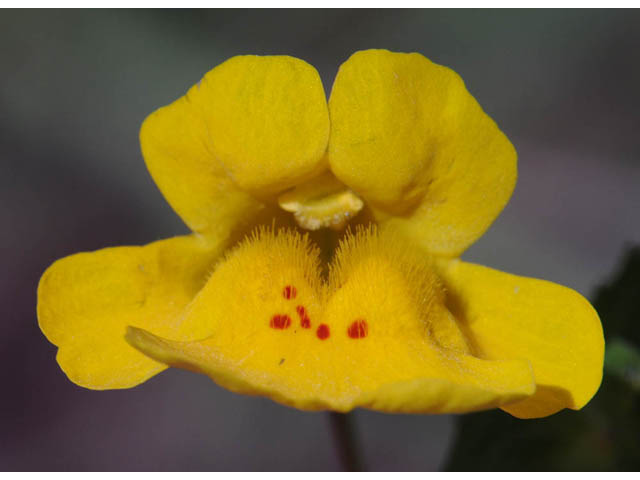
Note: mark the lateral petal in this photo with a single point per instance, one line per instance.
(511, 317)
(86, 300)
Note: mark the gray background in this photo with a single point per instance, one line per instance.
(76, 85)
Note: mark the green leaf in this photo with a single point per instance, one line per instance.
(622, 360)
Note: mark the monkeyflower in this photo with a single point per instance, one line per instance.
(323, 270)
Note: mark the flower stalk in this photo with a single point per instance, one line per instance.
(345, 441)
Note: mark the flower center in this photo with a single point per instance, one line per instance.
(321, 202)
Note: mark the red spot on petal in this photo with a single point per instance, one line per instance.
(289, 292)
(323, 331)
(358, 329)
(280, 322)
(305, 321)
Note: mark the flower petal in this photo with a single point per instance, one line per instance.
(176, 148)
(268, 120)
(252, 126)
(554, 327)
(464, 385)
(365, 339)
(86, 300)
(408, 137)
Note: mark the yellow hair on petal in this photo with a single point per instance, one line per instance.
(386, 257)
(367, 247)
(378, 324)
(283, 247)
(247, 287)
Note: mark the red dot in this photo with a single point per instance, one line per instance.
(305, 321)
(289, 292)
(358, 329)
(280, 322)
(323, 331)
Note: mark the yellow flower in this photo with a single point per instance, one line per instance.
(361, 300)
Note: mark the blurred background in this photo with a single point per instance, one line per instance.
(74, 89)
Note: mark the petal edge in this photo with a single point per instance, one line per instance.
(86, 300)
(554, 327)
(408, 137)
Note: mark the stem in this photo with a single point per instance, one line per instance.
(345, 441)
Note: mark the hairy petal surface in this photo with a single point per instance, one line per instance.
(408, 137)
(86, 300)
(376, 335)
(554, 327)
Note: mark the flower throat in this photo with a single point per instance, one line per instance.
(323, 202)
